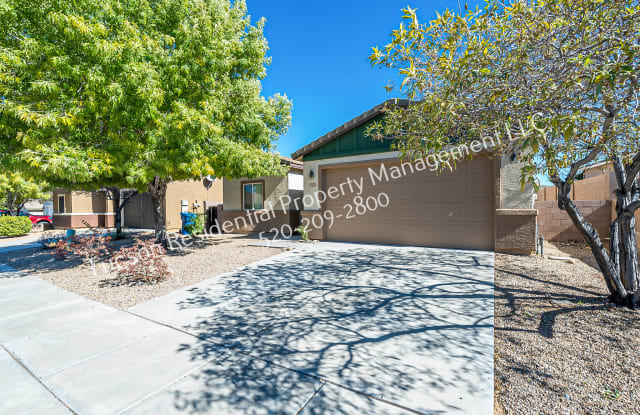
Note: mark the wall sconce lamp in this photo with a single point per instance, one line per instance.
(311, 174)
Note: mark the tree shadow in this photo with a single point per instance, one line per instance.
(564, 294)
(401, 326)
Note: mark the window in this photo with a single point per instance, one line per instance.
(61, 204)
(252, 196)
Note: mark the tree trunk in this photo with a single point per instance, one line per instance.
(116, 201)
(618, 291)
(158, 192)
(623, 240)
(10, 202)
(628, 251)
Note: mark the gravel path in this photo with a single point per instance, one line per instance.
(189, 266)
(560, 348)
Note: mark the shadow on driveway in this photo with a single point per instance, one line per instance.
(399, 327)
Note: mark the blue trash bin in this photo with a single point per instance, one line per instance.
(187, 219)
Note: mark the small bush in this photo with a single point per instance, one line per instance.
(91, 247)
(142, 261)
(197, 227)
(304, 233)
(14, 225)
(63, 249)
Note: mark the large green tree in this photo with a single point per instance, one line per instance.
(556, 80)
(136, 93)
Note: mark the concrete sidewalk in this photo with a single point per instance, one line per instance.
(23, 242)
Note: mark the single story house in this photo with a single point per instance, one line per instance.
(76, 209)
(263, 203)
(79, 208)
(356, 190)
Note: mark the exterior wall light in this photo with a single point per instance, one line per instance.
(311, 174)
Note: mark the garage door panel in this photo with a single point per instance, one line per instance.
(451, 210)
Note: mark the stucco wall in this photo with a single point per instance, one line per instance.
(82, 209)
(275, 187)
(512, 196)
(516, 231)
(81, 221)
(247, 222)
(598, 171)
(191, 191)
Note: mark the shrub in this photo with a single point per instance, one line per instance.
(142, 261)
(63, 249)
(197, 227)
(304, 233)
(14, 225)
(91, 247)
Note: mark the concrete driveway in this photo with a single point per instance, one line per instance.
(335, 329)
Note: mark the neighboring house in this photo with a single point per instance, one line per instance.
(182, 196)
(264, 203)
(594, 196)
(37, 206)
(77, 209)
(479, 205)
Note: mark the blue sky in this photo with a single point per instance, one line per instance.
(319, 51)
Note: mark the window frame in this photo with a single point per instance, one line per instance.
(252, 182)
(64, 204)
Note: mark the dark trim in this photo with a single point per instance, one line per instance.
(348, 126)
(264, 194)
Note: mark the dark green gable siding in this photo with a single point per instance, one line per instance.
(351, 143)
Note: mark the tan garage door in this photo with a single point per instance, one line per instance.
(450, 210)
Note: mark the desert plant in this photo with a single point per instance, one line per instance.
(14, 225)
(62, 249)
(304, 233)
(143, 260)
(91, 247)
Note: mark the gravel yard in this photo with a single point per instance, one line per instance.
(559, 347)
(191, 265)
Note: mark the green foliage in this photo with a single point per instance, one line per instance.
(16, 190)
(14, 225)
(109, 92)
(304, 233)
(197, 227)
(560, 78)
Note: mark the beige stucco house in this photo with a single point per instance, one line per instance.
(369, 196)
(76, 209)
(263, 203)
(182, 196)
(80, 208)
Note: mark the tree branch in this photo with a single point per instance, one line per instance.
(620, 173)
(632, 173)
(578, 165)
(633, 206)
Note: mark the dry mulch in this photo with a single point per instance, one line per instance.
(560, 347)
(188, 266)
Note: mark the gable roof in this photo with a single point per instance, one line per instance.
(348, 126)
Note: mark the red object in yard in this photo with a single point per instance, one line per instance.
(35, 219)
